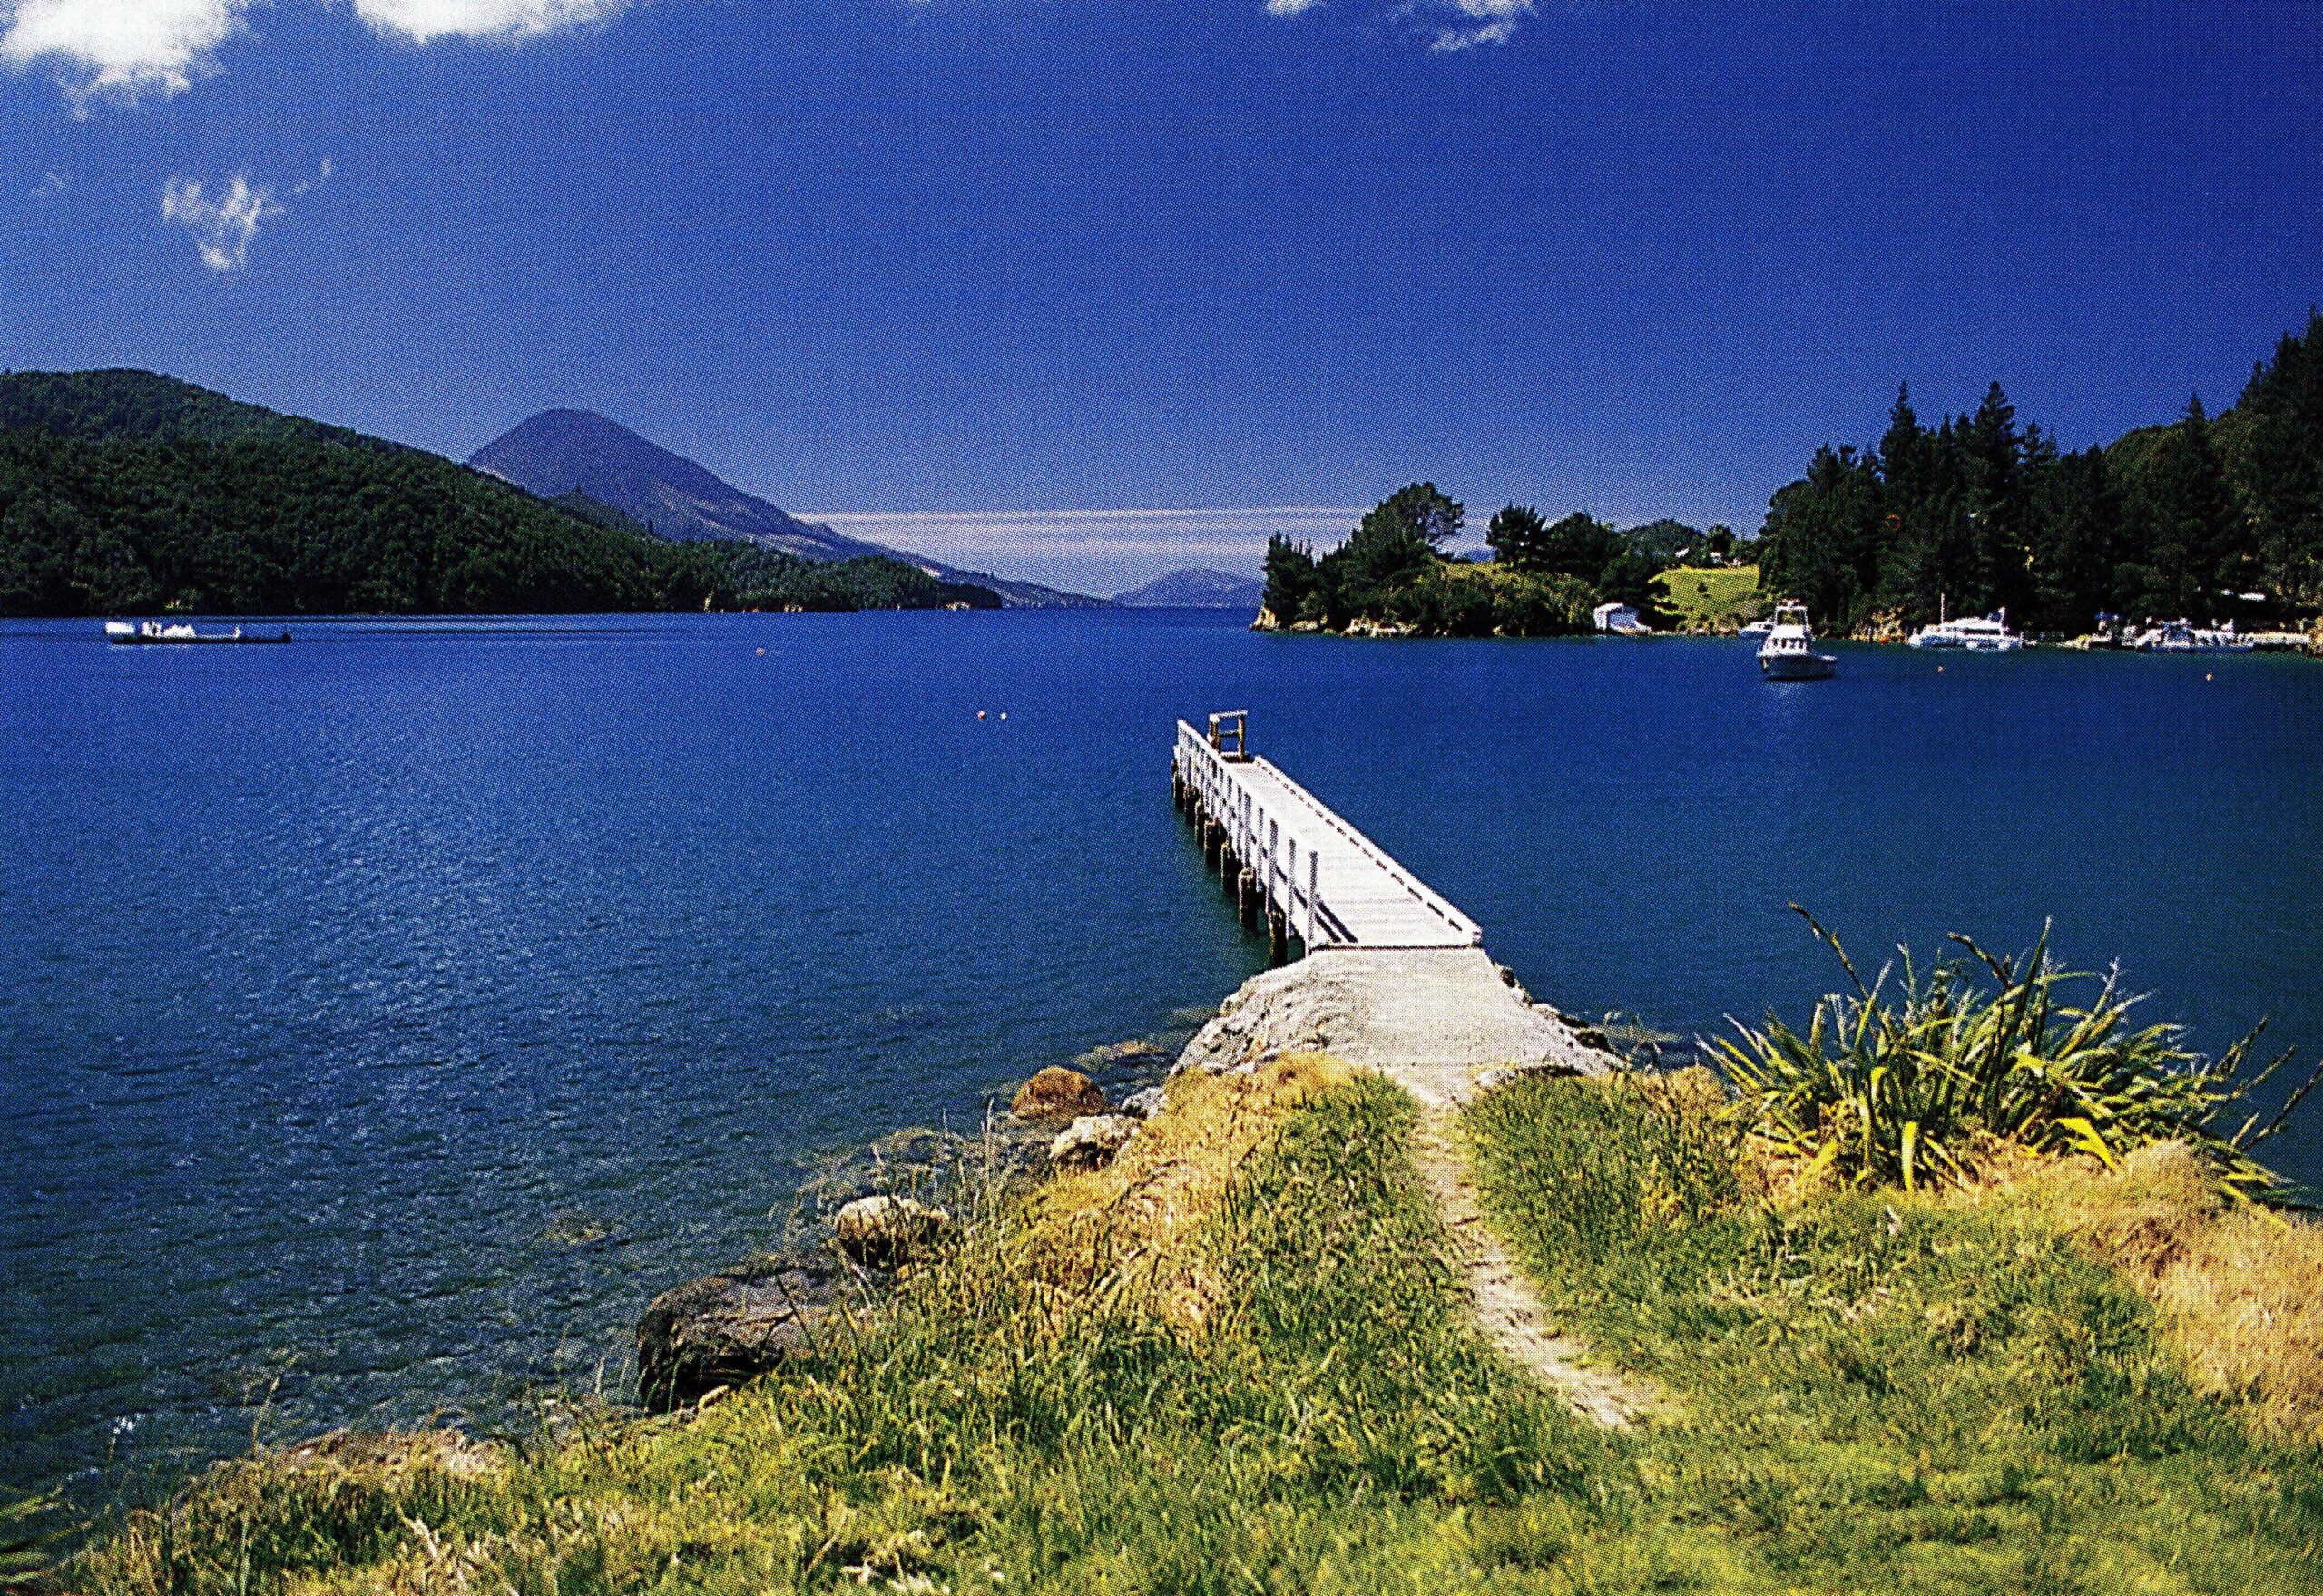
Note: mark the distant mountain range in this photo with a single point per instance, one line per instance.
(1197, 587)
(559, 453)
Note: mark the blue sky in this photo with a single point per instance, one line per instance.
(960, 270)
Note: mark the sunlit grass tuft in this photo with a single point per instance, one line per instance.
(1930, 1085)
(1886, 1390)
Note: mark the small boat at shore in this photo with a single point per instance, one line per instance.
(1755, 629)
(180, 632)
(2183, 637)
(1788, 653)
(1979, 634)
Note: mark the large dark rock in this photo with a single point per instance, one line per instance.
(1058, 1095)
(738, 1323)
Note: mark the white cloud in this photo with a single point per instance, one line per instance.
(50, 184)
(979, 537)
(123, 48)
(127, 49)
(1290, 8)
(1482, 21)
(224, 227)
(422, 20)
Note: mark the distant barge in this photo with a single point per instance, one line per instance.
(153, 631)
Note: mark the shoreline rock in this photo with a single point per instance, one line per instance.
(743, 1321)
(1091, 1141)
(1058, 1093)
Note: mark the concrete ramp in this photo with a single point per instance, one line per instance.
(1442, 1024)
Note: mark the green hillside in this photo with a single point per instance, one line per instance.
(1707, 599)
(125, 493)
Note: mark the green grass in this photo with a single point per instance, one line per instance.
(1706, 598)
(1878, 1396)
(1882, 1391)
(1339, 1426)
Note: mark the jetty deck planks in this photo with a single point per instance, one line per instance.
(1304, 869)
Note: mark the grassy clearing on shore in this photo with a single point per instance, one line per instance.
(1238, 1361)
(1336, 1423)
(1884, 1390)
(1707, 599)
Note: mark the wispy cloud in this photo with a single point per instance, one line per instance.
(223, 226)
(981, 537)
(422, 20)
(125, 49)
(50, 184)
(1481, 22)
(1449, 24)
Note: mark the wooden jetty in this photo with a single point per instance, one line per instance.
(1291, 864)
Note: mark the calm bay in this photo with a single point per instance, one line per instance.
(385, 1018)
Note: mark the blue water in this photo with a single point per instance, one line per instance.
(383, 1019)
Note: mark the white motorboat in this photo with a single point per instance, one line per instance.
(1979, 634)
(1788, 653)
(2183, 637)
(154, 632)
(1757, 629)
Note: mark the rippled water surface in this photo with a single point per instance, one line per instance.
(384, 1018)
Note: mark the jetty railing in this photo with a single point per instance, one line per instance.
(1271, 838)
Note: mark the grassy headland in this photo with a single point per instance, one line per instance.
(1239, 1360)
(1392, 572)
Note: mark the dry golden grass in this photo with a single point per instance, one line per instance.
(2240, 1288)
(1119, 1231)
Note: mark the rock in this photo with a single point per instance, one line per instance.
(1058, 1095)
(741, 1322)
(1092, 1142)
(1145, 1105)
(1136, 1051)
(880, 1232)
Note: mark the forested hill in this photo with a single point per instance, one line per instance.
(127, 493)
(144, 407)
(2208, 518)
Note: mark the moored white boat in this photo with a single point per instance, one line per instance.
(1980, 634)
(2183, 637)
(1788, 653)
(180, 632)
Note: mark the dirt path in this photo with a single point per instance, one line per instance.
(1512, 1317)
(1441, 1023)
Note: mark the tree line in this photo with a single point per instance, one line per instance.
(2209, 518)
(1396, 567)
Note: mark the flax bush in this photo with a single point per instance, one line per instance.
(1923, 1082)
